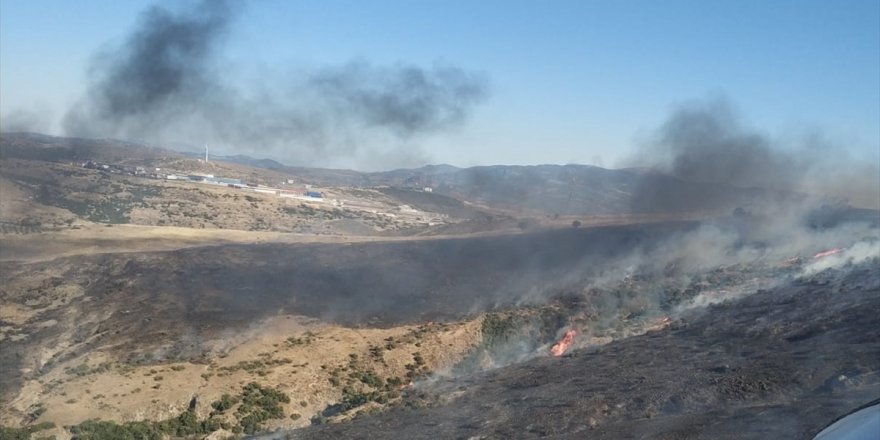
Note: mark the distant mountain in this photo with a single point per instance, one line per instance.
(241, 159)
(521, 190)
(35, 146)
(571, 189)
(550, 189)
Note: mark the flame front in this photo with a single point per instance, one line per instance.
(661, 323)
(559, 348)
(828, 252)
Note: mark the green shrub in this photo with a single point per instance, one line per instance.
(418, 358)
(259, 404)
(14, 433)
(496, 329)
(226, 402)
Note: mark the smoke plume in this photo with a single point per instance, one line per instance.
(36, 120)
(162, 85)
(705, 141)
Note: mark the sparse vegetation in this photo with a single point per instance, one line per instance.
(256, 404)
(226, 402)
(496, 328)
(184, 425)
(256, 366)
(376, 353)
(419, 360)
(307, 339)
(25, 433)
(85, 370)
(259, 404)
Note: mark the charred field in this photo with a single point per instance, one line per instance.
(139, 303)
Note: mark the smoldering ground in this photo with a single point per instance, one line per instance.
(770, 239)
(615, 293)
(166, 82)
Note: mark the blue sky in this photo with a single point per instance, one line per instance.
(570, 81)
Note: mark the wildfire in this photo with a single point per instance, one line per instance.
(793, 261)
(828, 252)
(559, 348)
(660, 324)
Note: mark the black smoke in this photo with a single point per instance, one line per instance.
(165, 83)
(165, 60)
(706, 142)
(162, 72)
(406, 99)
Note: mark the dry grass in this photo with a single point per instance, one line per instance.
(296, 355)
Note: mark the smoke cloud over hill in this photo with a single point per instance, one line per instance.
(165, 83)
(36, 120)
(705, 141)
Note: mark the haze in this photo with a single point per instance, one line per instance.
(559, 82)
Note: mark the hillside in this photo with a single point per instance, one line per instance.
(47, 172)
(449, 335)
(778, 364)
(52, 183)
(171, 297)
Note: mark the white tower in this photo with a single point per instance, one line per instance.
(206, 153)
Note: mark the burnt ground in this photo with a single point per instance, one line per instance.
(781, 363)
(158, 306)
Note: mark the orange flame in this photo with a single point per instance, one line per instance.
(659, 324)
(559, 348)
(828, 252)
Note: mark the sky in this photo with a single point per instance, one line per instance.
(567, 81)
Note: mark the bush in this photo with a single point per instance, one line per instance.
(105, 430)
(226, 402)
(7, 433)
(14, 433)
(417, 357)
(496, 329)
(372, 379)
(259, 404)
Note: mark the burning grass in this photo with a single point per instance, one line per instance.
(779, 363)
(592, 314)
(341, 372)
